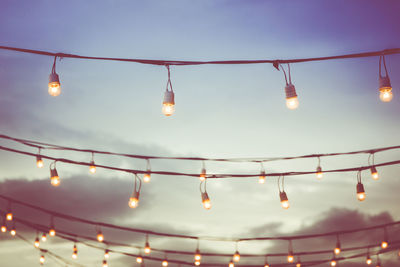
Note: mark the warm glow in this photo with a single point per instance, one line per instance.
(261, 179)
(74, 255)
(285, 204)
(369, 261)
(164, 263)
(106, 254)
(386, 94)
(39, 162)
(52, 232)
(42, 259)
(236, 257)
(374, 173)
(133, 202)
(105, 263)
(146, 178)
(13, 232)
(290, 258)
(100, 237)
(54, 88)
(139, 259)
(92, 169)
(55, 181)
(197, 256)
(9, 216)
(197, 263)
(203, 175)
(37, 243)
(207, 204)
(292, 102)
(266, 265)
(337, 251)
(168, 109)
(298, 264)
(147, 248)
(3, 229)
(319, 175)
(361, 196)
(384, 244)
(231, 264)
(333, 263)
(44, 237)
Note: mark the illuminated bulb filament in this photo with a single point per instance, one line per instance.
(39, 162)
(284, 200)
(37, 243)
(231, 264)
(206, 200)
(337, 250)
(384, 244)
(106, 254)
(369, 260)
(13, 232)
(319, 173)
(197, 263)
(147, 177)
(261, 178)
(52, 232)
(203, 175)
(360, 192)
(44, 237)
(100, 237)
(3, 228)
(139, 259)
(374, 173)
(164, 263)
(333, 263)
(42, 259)
(290, 258)
(236, 256)
(134, 200)
(9, 216)
(54, 178)
(147, 248)
(92, 168)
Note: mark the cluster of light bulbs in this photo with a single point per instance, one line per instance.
(292, 101)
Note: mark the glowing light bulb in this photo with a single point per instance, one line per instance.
(203, 175)
(266, 265)
(44, 237)
(133, 202)
(386, 95)
(168, 108)
(139, 259)
(337, 251)
(284, 200)
(319, 173)
(105, 263)
(37, 243)
(374, 173)
(298, 264)
(369, 260)
(147, 248)
(164, 263)
(384, 244)
(206, 200)
(54, 84)
(231, 264)
(13, 232)
(54, 178)
(75, 255)
(261, 178)
(333, 262)
(9, 216)
(385, 89)
(106, 254)
(197, 255)
(236, 256)
(92, 168)
(3, 228)
(52, 232)
(39, 162)
(100, 237)
(197, 263)
(42, 259)
(147, 177)
(290, 258)
(360, 192)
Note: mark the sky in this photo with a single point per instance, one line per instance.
(221, 111)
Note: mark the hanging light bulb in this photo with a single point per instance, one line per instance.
(134, 199)
(292, 101)
(92, 166)
(147, 248)
(139, 259)
(100, 236)
(42, 259)
(147, 175)
(44, 237)
(385, 243)
(236, 256)
(298, 263)
(261, 178)
(284, 200)
(360, 192)
(54, 81)
(3, 228)
(9, 216)
(105, 263)
(203, 174)
(169, 97)
(197, 263)
(374, 173)
(290, 257)
(37, 242)
(39, 161)
(197, 255)
(318, 172)
(54, 178)
(164, 263)
(368, 261)
(231, 264)
(337, 249)
(333, 262)
(106, 254)
(266, 264)
(378, 261)
(52, 232)
(385, 87)
(206, 200)
(13, 232)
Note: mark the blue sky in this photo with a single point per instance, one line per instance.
(221, 111)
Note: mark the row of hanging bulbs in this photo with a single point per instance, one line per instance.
(292, 102)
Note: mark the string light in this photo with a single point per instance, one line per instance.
(360, 188)
(106, 254)
(105, 263)
(165, 261)
(261, 178)
(231, 264)
(3, 226)
(39, 160)
(333, 262)
(54, 81)
(290, 257)
(147, 175)
(197, 255)
(236, 256)
(169, 97)
(92, 168)
(44, 237)
(42, 259)
(203, 173)
(54, 178)
(100, 236)
(52, 231)
(147, 248)
(298, 263)
(204, 196)
(266, 264)
(292, 101)
(385, 87)
(9, 214)
(378, 261)
(37, 242)
(318, 172)
(282, 194)
(13, 231)
(75, 252)
(134, 199)
(337, 249)
(385, 243)
(368, 261)
(139, 259)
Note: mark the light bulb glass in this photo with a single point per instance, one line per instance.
(236, 257)
(298, 264)
(207, 204)
(231, 264)
(333, 263)
(384, 244)
(54, 88)
(146, 178)
(197, 257)
(292, 102)
(9, 216)
(139, 259)
(285, 204)
(386, 94)
(337, 251)
(133, 202)
(361, 196)
(37, 243)
(147, 248)
(290, 258)
(266, 265)
(92, 169)
(369, 261)
(164, 263)
(44, 237)
(374, 173)
(168, 109)
(100, 237)
(13, 232)
(3, 228)
(39, 162)
(106, 254)
(52, 232)
(42, 259)
(55, 181)
(261, 179)
(74, 255)
(105, 263)
(197, 263)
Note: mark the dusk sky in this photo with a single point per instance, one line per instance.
(222, 111)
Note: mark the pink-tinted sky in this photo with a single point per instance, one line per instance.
(221, 111)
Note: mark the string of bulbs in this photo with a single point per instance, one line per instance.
(168, 105)
(197, 255)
